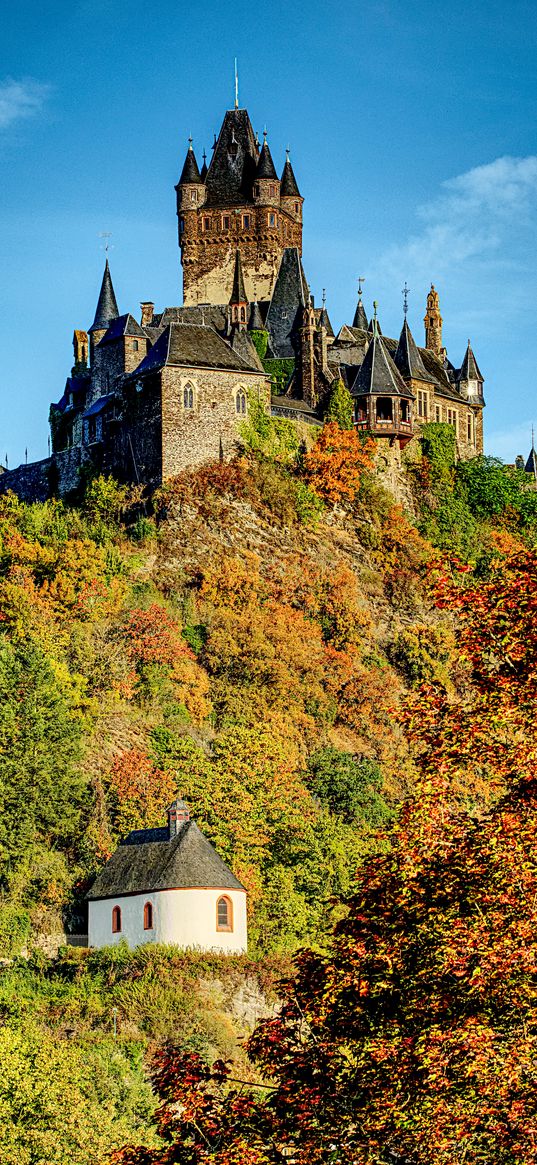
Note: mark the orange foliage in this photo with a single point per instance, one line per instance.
(142, 791)
(336, 464)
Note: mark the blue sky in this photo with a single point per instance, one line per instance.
(413, 137)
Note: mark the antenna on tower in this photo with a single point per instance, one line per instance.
(236, 85)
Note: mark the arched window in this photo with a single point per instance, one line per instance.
(116, 920)
(188, 397)
(243, 314)
(240, 402)
(148, 916)
(224, 914)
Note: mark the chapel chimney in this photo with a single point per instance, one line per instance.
(178, 815)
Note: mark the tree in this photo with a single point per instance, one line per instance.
(348, 785)
(340, 407)
(334, 467)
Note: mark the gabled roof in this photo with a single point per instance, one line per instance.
(190, 172)
(378, 375)
(265, 165)
(238, 293)
(360, 318)
(159, 863)
(192, 346)
(231, 174)
(290, 294)
(243, 345)
(289, 185)
(107, 308)
(469, 369)
(124, 325)
(408, 359)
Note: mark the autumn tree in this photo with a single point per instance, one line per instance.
(334, 467)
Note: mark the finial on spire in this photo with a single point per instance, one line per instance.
(106, 246)
(213, 147)
(361, 279)
(287, 152)
(204, 156)
(190, 140)
(405, 293)
(236, 85)
(375, 306)
(324, 297)
(264, 133)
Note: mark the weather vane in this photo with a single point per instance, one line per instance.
(404, 293)
(106, 235)
(361, 279)
(324, 296)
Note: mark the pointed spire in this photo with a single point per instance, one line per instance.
(265, 165)
(289, 185)
(408, 359)
(378, 375)
(107, 308)
(238, 294)
(469, 368)
(203, 174)
(256, 319)
(190, 172)
(374, 325)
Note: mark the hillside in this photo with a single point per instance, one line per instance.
(250, 638)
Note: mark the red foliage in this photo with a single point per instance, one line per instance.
(336, 464)
(153, 636)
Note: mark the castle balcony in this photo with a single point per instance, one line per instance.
(384, 416)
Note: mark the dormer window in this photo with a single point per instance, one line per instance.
(240, 402)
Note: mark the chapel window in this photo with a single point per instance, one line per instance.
(224, 914)
(116, 920)
(188, 397)
(148, 916)
(240, 402)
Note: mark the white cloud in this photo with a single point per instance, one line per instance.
(472, 219)
(20, 99)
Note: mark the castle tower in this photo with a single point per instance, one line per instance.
(433, 323)
(106, 310)
(238, 204)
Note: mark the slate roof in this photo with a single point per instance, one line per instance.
(124, 325)
(531, 463)
(243, 345)
(231, 174)
(98, 406)
(265, 165)
(408, 359)
(435, 367)
(190, 172)
(370, 326)
(238, 293)
(294, 405)
(323, 321)
(256, 319)
(107, 308)
(469, 369)
(360, 318)
(148, 860)
(289, 185)
(214, 315)
(192, 345)
(289, 296)
(378, 375)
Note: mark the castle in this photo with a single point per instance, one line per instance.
(147, 398)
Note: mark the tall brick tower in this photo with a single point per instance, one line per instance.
(237, 204)
(433, 322)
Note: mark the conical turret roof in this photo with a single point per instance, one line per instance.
(370, 326)
(190, 172)
(289, 186)
(256, 319)
(378, 375)
(238, 294)
(265, 165)
(360, 318)
(107, 308)
(531, 463)
(469, 369)
(408, 359)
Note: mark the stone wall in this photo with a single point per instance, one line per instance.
(210, 430)
(31, 482)
(208, 252)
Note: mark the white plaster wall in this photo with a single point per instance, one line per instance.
(186, 918)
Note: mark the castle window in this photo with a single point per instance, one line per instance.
(256, 190)
(92, 430)
(272, 191)
(188, 397)
(272, 220)
(452, 418)
(135, 345)
(224, 914)
(405, 415)
(422, 404)
(297, 207)
(193, 196)
(469, 427)
(384, 409)
(360, 413)
(243, 314)
(225, 222)
(181, 225)
(240, 402)
(116, 920)
(437, 414)
(431, 321)
(148, 916)
(206, 224)
(246, 221)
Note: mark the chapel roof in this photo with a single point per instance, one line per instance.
(195, 346)
(149, 860)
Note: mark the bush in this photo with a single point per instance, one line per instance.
(14, 930)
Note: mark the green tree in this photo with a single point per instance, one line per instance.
(340, 406)
(347, 785)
